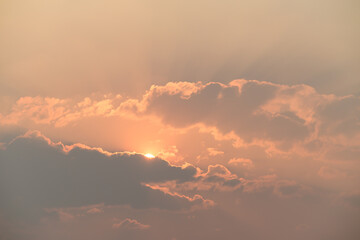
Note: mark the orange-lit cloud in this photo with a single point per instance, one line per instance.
(130, 224)
(245, 162)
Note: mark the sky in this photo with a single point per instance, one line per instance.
(179, 120)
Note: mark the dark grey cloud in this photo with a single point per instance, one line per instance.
(36, 173)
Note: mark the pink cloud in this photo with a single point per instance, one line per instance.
(130, 224)
(58, 112)
(214, 152)
(95, 210)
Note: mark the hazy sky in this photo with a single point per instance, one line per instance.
(251, 110)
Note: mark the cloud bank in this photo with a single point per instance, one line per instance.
(37, 173)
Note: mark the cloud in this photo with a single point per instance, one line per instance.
(244, 162)
(130, 224)
(340, 117)
(292, 121)
(280, 118)
(64, 216)
(218, 178)
(255, 112)
(286, 188)
(37, 173)
(236, 107)
(330, 173)
(252, 111)
(352, 199)
(95, 210)
(58, 112)
(214, 152)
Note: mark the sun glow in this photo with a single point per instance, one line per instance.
(149, 155)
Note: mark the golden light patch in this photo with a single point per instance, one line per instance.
(149, 155)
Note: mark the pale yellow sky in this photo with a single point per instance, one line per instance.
(65, 48)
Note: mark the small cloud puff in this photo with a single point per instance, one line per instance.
(214, 152)
(95, 211)
(244, 162)
(130, 224)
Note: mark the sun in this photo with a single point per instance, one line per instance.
(149, 155)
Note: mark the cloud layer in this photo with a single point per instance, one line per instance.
(256, 112)
(254, 147)
(37, 174)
